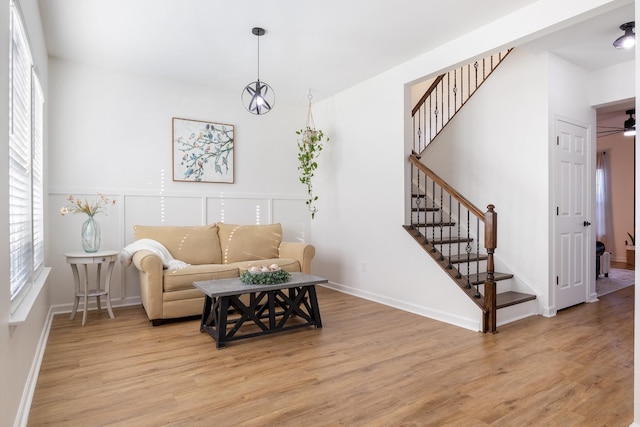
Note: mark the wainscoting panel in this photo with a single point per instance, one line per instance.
(143, 208)
(249, 210)
(160, 210)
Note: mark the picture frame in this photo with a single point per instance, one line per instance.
(203, 151)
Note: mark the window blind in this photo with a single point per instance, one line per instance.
(20, 185)
(37, 170)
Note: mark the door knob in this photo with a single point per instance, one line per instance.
(586, 223)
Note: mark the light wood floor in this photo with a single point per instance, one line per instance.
(370, 365)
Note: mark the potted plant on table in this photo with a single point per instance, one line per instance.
(90, 228)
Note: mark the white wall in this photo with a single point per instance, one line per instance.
(497, 153)
(363, 198)
(112, 132)
(123, 124)
(568, 93)
(612, 84)
(19, 344)
(364, 249)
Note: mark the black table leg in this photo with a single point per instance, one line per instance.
(313, 299)
(221, 315)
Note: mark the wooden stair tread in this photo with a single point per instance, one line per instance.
(458, 259)
(447, 240)
(480, 278)
(434, 224)
(504, 299)
(426, 209)
(510, 298)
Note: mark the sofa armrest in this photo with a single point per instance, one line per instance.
(302, 252)
(151, 274)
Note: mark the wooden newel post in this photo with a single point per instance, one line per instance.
(490, 244)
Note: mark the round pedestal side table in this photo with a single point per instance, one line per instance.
(83, 290)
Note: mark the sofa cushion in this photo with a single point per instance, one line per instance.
(176, 280)
(249, 242)
(193, 245)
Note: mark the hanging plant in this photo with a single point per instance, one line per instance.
(309, 148)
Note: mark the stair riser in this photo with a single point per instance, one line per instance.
(465, 268)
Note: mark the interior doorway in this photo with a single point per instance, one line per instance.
(619, 160)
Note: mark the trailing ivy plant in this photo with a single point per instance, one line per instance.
(309, 149)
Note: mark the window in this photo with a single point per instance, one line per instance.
(26, 213)
(603, 202)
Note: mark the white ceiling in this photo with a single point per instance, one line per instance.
(323, 45)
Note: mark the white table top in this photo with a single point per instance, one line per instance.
(83, 254)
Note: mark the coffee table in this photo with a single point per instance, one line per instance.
(270, 308)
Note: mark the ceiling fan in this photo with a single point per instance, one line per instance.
(629, 128)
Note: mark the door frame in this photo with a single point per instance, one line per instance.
(590, 251)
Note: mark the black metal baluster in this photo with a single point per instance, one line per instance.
(436, 113)
(467, 249)
(459, 275)
(441, 107)
(427, 131)
(484, 76)
(478, 257)
(441, 224)
(415, 224)
(426, 209)
(455, 90)
(449, 266)
(468, 81)
(475, 66)
(420, 147)
(430, 122)
(433, 213)
(448, 96)
(417, 201)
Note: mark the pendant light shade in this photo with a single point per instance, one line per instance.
(258, 97)
(630, 123)
(628, 39)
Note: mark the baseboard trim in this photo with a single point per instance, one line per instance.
(32, 380)
(67, 308)
(466, 323)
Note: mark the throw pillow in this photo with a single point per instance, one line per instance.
(193, 245)
(249, 242)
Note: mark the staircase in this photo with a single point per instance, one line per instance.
(443, 222)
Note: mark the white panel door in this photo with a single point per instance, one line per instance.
(572, 211)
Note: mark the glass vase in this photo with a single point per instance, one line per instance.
(90, 235)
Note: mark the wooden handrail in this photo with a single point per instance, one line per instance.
(427, 93)
(415, 160)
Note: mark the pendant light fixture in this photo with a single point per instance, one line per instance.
(628, 39)
(258, 97)
(630, 123)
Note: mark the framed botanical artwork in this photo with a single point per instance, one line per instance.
(202, 151)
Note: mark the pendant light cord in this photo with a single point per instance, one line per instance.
(258, 57)
(310, 123)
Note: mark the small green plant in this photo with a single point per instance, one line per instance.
(309, 149)
(268, 278)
